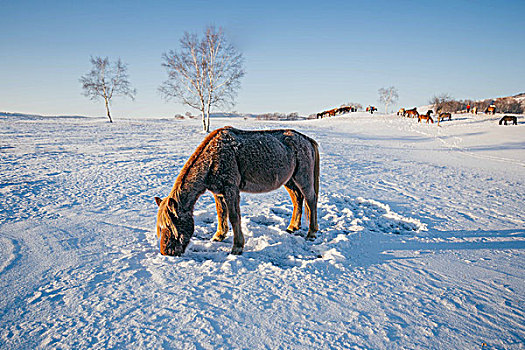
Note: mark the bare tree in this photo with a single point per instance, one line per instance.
(388, 96)
(106, 80)
(443, 103)
(205, 72)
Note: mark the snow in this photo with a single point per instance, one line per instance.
(421, 244)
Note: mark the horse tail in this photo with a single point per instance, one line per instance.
(315, 146)
(316, 167)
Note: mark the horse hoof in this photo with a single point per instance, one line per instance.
(236, 251)
(218, 238)
(311, 237)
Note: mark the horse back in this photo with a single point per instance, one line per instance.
(259, 161)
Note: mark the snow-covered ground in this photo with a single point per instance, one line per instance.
(421, 245)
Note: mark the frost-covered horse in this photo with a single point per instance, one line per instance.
(230, 161)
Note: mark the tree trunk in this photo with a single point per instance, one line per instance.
(208, 107)
(205, 127)
(107, 109)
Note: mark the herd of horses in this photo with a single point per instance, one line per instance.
(335, 111)
(413, 113)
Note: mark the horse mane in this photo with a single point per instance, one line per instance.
(175, 192)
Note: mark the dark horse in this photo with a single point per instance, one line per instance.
(509, 118)
(229, 161)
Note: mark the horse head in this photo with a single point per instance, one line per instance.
(174, 227)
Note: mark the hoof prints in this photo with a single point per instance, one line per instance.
(339, 218)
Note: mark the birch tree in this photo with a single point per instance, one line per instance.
(388, 96)
(204, 73)
(105, 80)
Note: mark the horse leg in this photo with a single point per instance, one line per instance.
(308, 192)
(232, 199)
(297, 200)
(222, 215)
(311, 212)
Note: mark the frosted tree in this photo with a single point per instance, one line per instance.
(388, 96)
(204, 73)
(105, 80)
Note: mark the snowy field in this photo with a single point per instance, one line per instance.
(422, 242)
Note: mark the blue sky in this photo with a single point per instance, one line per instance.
(300, 56)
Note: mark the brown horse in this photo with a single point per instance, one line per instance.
(443, 116)
(412, 113)
(229, 161)
(426, 117)
(509, 118)
(490, 110)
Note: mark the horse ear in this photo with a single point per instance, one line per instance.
(158, 201)
(172, 205)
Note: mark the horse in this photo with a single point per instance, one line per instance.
(401, 112)
(508, 118)
(412, 113)
(426, 117)
(490, 110)
(344, 109)
(444, 116)
(230, 161)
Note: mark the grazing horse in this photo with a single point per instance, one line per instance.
(401, 112)
(230, 161)
(426, 117)
(412, 113)
(509, 118)
(490, 110)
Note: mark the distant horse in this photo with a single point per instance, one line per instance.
(426, 117)
(229, 161)
(443, 116)
(474, 110)
(508, 118)
(412, 113)
(344, 109)
(371, 109)
(401, 112)
(491, 110)
(332, 112)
